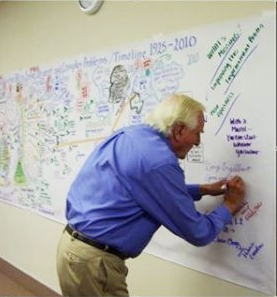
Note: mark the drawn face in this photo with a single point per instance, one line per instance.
(119, 75)
(118, 80)
(185, 138)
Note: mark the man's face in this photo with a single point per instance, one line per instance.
(186, 138)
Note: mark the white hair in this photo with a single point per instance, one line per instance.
(173, 109)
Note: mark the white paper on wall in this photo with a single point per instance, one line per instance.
(52, 117)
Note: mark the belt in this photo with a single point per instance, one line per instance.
(94, 243)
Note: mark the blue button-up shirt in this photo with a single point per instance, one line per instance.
(132, 184)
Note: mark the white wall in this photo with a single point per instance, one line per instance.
(36, 32)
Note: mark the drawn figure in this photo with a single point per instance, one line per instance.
(4, 158)
(19, 174)
(119, 80)
(136, 103)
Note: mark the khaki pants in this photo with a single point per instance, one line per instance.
(84, 270)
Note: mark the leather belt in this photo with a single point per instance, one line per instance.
(104, 247)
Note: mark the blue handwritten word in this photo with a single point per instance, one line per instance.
(235, 222)
(217, 171)
(178, 44)
(240, 139)
(94, 61)
(226, 168)
(248, 252)
(129, 55)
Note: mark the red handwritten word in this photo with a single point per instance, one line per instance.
(84, 91)
(249, 211)
(34, 68)
(48, 84)
(143, 64)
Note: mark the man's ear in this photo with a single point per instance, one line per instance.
(177, 131)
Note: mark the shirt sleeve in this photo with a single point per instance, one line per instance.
(164, 195)
(194, 191)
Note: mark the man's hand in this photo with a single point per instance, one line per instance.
(234, 194)
(214, 189)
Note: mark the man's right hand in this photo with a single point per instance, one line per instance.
(234, 194)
